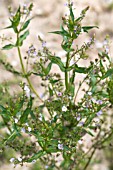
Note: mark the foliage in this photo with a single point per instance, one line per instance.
(58, 122)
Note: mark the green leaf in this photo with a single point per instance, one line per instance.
(72, 89)
(108, 73)
(46, 70)
(78, 69)
(25, 25)
(22, 38)
(63, 32)
(52, 149)
(87, 28)
(2, 108)
(8, 47)
(57, 60)
(89, 132)
(25, 114)
(15, 21)
(37, 156)
(50, 91)
(71, 14)
(11, 137)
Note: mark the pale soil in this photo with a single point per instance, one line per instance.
(48, 18)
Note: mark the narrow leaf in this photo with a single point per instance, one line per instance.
(25, 114)
(37, 156)
(25, 25)
(22, 38)
(8, 47)
(108, 73)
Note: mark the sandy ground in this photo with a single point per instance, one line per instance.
(48, 18)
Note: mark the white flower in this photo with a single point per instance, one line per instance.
(99, 113)
(78, 117)
(26, 124)
(89, 93)
(64, 108)
(19, 159)
(29, 129)
(12, 160)
(81, 124)
(46, 167)
(27, 90)
(40, 117)
(60, 146)
(80, 142)
(34, 161)
(23, 130)
(16, 120)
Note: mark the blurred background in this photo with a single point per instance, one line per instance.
(48, 17)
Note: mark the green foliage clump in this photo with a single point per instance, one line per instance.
(53, 130)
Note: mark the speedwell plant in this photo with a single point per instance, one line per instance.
(52, 128)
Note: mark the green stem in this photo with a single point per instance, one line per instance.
(90, 158)
(25, 74)
(66, 72)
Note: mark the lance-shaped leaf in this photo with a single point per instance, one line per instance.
(71, 14)
(37, 156)
(63, 32)
(22, 38)
(79, 69)
(46, 70)
(87, 28)
(25, 114)
(25, 25)
(57, 60)
(8, 47)
(108, 73)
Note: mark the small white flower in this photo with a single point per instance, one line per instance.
(78, 117)
(59, 94)
(23, 130)
(64, 108)
(99, 102)
(12, 160)
(40, 117)
(27, 90)
(80, 142)
(19, 159)
(26, 124)
(29, 129)
(16, 120)
(89, 93)
(60, 146)
(34, 161)
(99, 113)
(54, 114)
(82, 31)
(46, 167)
(81, 124)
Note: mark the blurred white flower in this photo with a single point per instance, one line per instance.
(27, 90)
(29, 129)
(16, 120)
(60, 146)
(12, 160)
(19, 159)
(64, 108)
(80, 142)
(23, 130)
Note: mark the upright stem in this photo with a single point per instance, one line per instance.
(25, 74)
(66, 73)
(90, 158)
